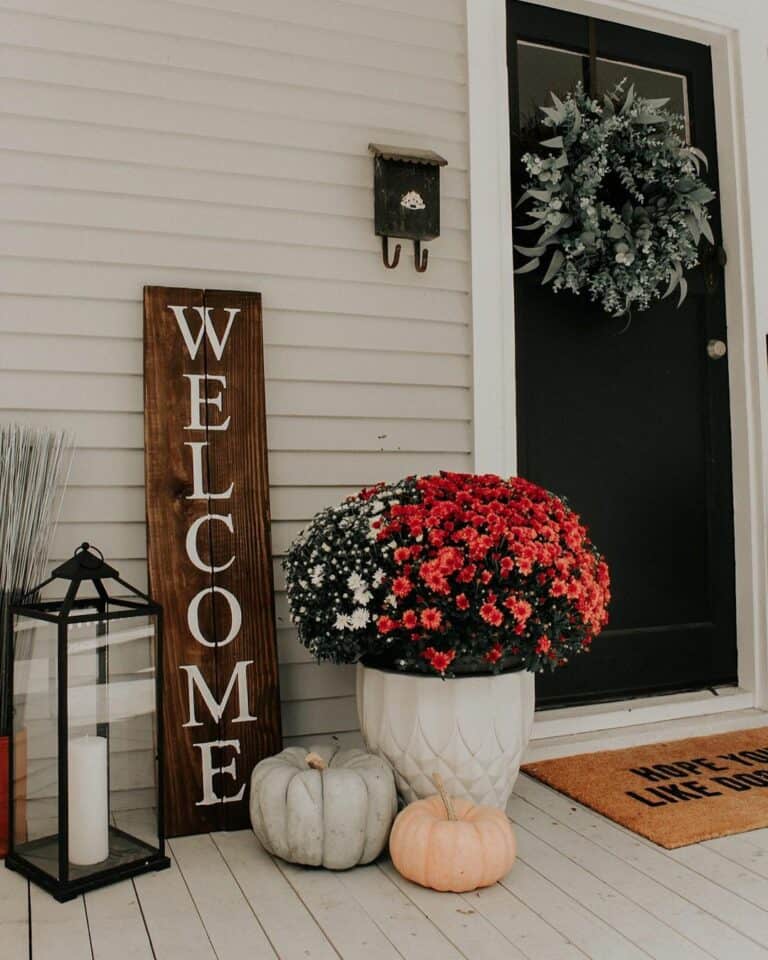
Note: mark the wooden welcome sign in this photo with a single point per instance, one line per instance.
(209, 554)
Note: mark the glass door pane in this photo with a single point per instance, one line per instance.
(542, 71)
(648, 83)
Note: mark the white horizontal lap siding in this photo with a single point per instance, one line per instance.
(221, 143)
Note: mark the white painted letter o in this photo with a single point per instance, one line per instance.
(193, 614)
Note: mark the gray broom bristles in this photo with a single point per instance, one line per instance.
(34, 468)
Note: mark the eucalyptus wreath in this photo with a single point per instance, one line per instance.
(617, 199)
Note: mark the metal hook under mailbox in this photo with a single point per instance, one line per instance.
(385, 254)
(420, 257)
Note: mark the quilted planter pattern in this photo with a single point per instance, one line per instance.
(471, 730)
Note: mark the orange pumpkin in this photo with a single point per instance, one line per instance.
(451, 844)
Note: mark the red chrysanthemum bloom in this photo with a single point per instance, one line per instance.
(461, 602)
(401, 586)
(491, 614)
(519, 608)
(543, 644)
(495, 653)
(431, 618)
(386, 624)
(410, 620)
(402, 554)
(449, 560)
(438, 659)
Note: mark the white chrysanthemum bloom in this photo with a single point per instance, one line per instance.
(363, 597)
(378, 577)
(356, 582)
(327, 547)
(343, 621)
(359, 618)
(317, 576)
(391, 600)
(377, 506)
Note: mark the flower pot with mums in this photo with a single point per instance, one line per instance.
(449, 592)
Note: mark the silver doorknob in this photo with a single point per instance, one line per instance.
(716, 349)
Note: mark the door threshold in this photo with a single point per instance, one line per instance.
(612, 726)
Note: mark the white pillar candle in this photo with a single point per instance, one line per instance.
(88, 801)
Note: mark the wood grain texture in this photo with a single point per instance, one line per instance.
(239, 456)
(234, 456)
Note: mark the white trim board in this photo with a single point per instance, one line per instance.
(660, 731)
(626, 713)
(736, 34)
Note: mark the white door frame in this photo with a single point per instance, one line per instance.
(736, 33)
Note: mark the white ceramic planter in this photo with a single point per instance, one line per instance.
(471, 730)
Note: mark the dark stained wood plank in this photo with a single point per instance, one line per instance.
(173, 580)
(239, 456)
(204, 398)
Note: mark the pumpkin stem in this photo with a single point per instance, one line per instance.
(315, 761)
(447, 802)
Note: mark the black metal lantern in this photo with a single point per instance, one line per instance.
(406, 187)
(86, 675)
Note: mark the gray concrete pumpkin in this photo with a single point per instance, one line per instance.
(323, 807)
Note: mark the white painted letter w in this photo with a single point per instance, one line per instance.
(206, 328)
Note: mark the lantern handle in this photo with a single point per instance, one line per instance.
(85, 548)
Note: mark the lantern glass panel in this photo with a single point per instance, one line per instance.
(35, 743)
(112, 740)
(133, 748)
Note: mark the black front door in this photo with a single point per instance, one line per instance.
(630, 422)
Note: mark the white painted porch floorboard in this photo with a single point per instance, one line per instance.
(582, 887)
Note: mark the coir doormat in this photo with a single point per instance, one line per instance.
(673, 793)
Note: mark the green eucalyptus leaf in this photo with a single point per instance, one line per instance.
(531, 251)
(555, 266)
(657, 103)
(700, 155)
(529, 267)
(675, 277)
(701, 194)
(630, 99)
(706, 230)
(693, 227)
(556, 100)
(554, 143)
(576, 123)
(683, 291)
